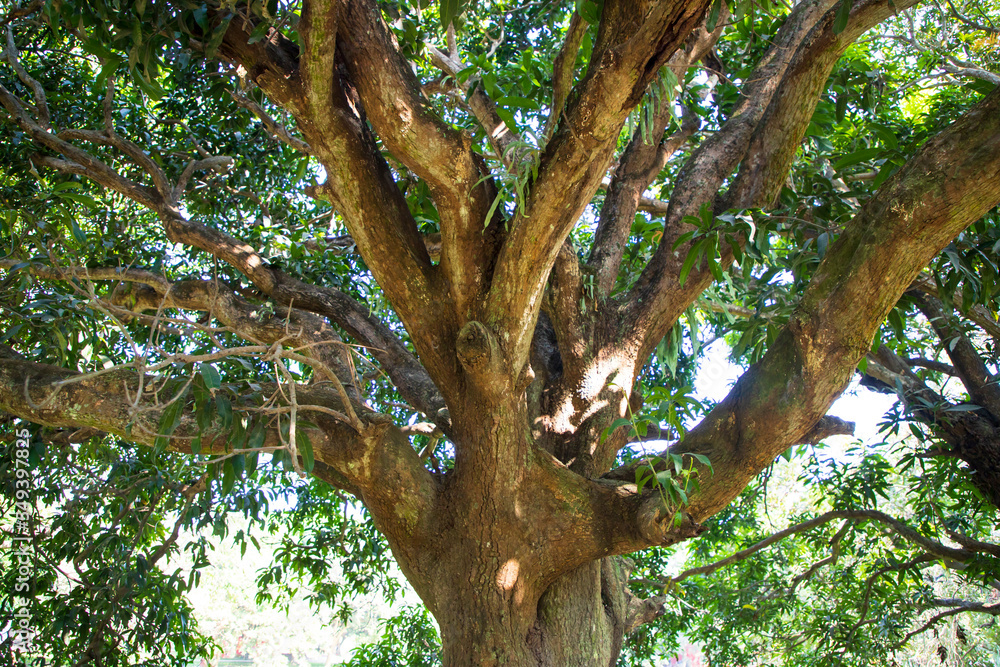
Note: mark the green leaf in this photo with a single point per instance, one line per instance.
(228, 476)
(822, 241)
(256, 439)
(13, 331)
(149, 86)
(205, 413)
(858, 156)
(713, 15)
(450, 10)
(843, 15)
(702, 459)
(78, 233)
(615, 425)
(211, 376)
(886, 134)
(678, 462)
(519, 102)
(217, 36)
(169, 420)
(225, 409)
(887, 170)
(693, 256)
(304, 445)
(588, 11)
(896, 322)
(841, 106)
(507, 117)
(643, 475)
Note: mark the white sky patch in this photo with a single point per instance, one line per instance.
(864, 407)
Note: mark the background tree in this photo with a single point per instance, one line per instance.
(474, 359)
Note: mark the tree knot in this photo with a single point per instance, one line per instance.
(477, 348)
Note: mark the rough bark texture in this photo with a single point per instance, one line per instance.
(517, 551)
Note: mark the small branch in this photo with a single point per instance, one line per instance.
(959, 607)
(978, 314)
(421, 428)
(563, 68)
(826, 427)
(219, 163)
(20, 12)
(101, 273)
(829, 560)
(932, 365)
(969, 365)
(78, 161)
(41, 106)
(277, 130)
(970, 22)
(931, 547)
(503, 139)
(870, 583)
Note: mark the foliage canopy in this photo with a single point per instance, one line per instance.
(420, 282)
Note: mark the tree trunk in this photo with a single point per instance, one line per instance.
(581, 619)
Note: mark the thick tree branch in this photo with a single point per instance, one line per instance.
(968, 364)
(360, 183)
(977, 313)
(238, 314)
(641, 163)
(563, 69)
(778, 136)
(952, 181)
(633, 42)
(658, 291)
(378, 463)
(417, 136)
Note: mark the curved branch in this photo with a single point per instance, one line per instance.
(277, 130)
(788, 115)
(409, 377)
(77, 161)
(977, 313)
(969, 436)
(969, 365)
(958, 607)
(416, 135)
(658, 291)
(952, 181)
(932, 365)
(115, 402)
(633, 42)
(563, 68)
(932, 548)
